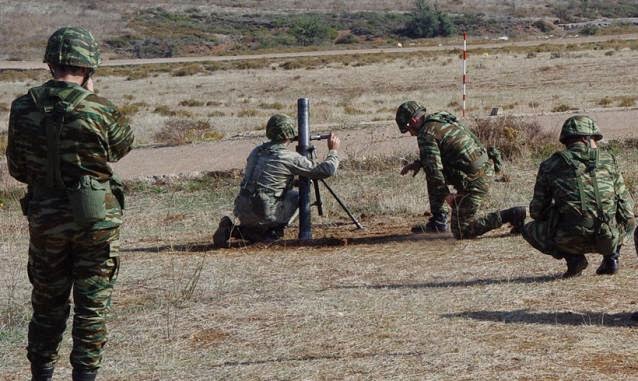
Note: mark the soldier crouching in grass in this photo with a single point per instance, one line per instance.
(450, 154)
(61, 137)
(580, 202)
(266, 202)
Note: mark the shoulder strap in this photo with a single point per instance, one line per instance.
(53, 120)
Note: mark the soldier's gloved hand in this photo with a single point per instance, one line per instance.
(333, 142)
(414, 166)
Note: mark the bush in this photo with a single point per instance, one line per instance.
(515, 137)
(590, 30)
(627, 101)
(427, 22)
(183, 131)
(309, 30)
(562, 108)
(605, 102)
(191, 103)
(3, 142)
(346, 38)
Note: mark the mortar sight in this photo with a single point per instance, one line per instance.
(315, 137)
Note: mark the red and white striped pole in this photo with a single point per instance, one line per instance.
(464, 70)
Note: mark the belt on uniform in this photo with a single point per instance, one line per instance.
(40, 192)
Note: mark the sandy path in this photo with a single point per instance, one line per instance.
(379, 139)
(26, 65)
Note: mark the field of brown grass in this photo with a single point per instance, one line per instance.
(375, 304)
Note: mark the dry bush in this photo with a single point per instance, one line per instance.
(562, 108)
(273, 106)
(605, 102)
(515, 137)
(167, 111)
(191, 103)
(247, 113)
(627, 101)
(130, 109)
(187, 70)
(184, 131)
(3, 142)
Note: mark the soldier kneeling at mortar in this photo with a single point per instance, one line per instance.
(580, 202)
(266, 202)
(450, 154)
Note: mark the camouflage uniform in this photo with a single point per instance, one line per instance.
(451, 154)
(61, 137)
(266, 199)
(266, 202)
(565, 219)
(580, 202)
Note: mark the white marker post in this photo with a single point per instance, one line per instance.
(464, 70)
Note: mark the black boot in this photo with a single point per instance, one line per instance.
(83, 375)
(609, 265)
(514, 216)
(223, 232)
(41, 374)
(575, 265)
(436, 224)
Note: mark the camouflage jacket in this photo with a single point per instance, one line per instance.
(93, 134)
(271, 167)
(560, 179)
(450, 154)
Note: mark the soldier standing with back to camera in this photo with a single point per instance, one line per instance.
(61, 137)
(450, 154)
(580, 204)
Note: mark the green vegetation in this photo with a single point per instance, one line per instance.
(576, 10)
(428, 22)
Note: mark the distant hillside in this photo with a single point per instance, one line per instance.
(177, 28)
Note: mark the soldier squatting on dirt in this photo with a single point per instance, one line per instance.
(580, 202)
(266, 202)
(450, 154)
(61, 137)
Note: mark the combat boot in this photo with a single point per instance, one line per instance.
(514, 216)
(41, 374)
(575, 265)
(83, 375)
(436, 224)
(610, 264)
(223, 232)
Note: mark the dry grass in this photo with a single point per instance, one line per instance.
(379, 304)
(184, 131)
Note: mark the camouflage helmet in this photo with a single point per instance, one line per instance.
(405, 113)
(280, 127)
(579, 125)
(72, 46)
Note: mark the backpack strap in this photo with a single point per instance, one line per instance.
(53, 121)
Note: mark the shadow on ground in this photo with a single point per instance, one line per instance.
(447, 284)
(293, 243)
(574, 318)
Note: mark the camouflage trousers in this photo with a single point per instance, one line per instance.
(274, 214)
(65, 258)
(465, 222)
(560, 241)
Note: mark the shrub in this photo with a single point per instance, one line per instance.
(166, 111)
(562, 108)
(3, 142)
(346, 38)
(191, 103)
(183, 131)
(187, 70)
(427, 22)
(627, 101)
(590, 30)
(274, 106)
(605, 102)
(216, 114)
(309, 30)
(247, 113)
(515, 137)
(130, 109)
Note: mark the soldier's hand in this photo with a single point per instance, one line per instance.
(333, 142)
(450, 199)
(414, 166)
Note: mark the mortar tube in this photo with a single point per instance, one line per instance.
(303, 148)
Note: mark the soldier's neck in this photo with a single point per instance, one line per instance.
(77, 79)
